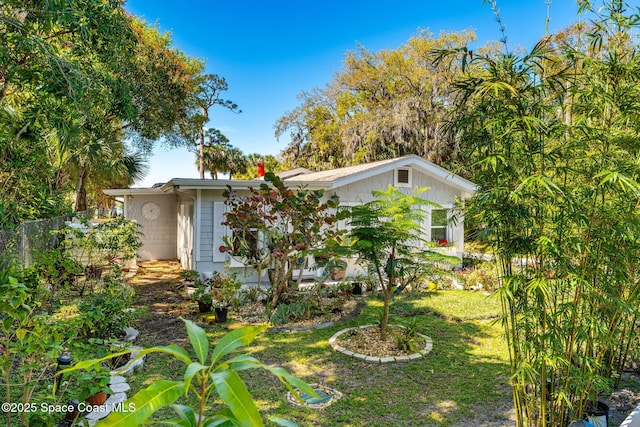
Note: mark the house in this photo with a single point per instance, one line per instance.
(182, 218)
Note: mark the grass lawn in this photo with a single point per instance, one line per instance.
(463, 381)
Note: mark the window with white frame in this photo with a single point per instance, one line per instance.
(402, 177)
(438, 226)
(247, 243)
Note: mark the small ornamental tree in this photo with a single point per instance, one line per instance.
(386, 232)
(276, 227)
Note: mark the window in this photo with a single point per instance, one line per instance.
(439, 226)
(246, 246)
(402, 177)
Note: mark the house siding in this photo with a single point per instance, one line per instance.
(159, 235)
(438, 192)
(210, 240)
(361, 191)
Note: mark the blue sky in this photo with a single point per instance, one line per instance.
(271, 51)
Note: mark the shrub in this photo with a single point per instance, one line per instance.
(285, 313)
(484, 276)
(106, 313)
(208, 376)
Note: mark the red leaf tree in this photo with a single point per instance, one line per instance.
(276, 227)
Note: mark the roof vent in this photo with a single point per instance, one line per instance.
(402, 177)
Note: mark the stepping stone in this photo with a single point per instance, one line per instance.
(117, 379)
(310, 400)
(326, 396)
(131, 334)
(120, 387)
(98, 415)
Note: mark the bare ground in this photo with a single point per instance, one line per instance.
(157, 293)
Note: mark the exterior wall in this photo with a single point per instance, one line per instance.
(361, 191)
(208, 257)
(439, 192)
(160, 234)
(209, 208)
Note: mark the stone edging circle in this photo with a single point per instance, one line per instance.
(360, 304)
(335, 395)
(388, 359)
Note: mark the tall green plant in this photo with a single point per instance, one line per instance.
(552, 138)
(385, 232)
(29, 345)
(206, 375)
(104, 243)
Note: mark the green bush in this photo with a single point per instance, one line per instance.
(106, 313)
(484, 276)
(210, 376)
(285, 313)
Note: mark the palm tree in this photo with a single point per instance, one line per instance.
(214, 153)
(237, 162)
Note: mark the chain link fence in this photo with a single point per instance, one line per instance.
(30, 238)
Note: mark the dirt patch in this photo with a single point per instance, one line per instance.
(158, 296)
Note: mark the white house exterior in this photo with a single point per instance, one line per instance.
(182, 218)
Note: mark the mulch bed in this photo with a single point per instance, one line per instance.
(368, 341)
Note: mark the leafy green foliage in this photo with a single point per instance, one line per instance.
(29, 344)
(106, 312)
(189, 131)
(285, 313)
(104, 243)
(381, 105)
(214, 369)
(385, 233)
(77, 78)
(550, 134)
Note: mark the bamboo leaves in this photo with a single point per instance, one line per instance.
(550, 135)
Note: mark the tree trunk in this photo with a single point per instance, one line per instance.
(283, 273)
(201, 153)
(384, 322)
(388, 290)
(205, 115)
(80, 204)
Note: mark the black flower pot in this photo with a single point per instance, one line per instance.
(357, 289)
(204, 307)
(221, 314)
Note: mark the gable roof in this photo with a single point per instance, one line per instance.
(332, 175)
(293, 172)
(343, 176)
(328, 179)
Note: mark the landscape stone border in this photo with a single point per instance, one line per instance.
(388, 359)
(360, 305)
(118, 383)
(335, 395)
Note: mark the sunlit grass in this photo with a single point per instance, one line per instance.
(466, 371)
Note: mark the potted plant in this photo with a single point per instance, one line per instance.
(221, 311)
(224, 287)
(337, 268)
(357, 288)
(189, 277)
(204, 297)
(94, 385)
